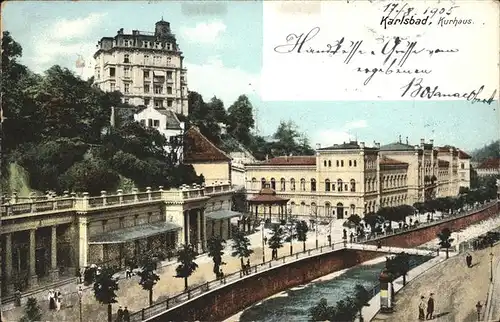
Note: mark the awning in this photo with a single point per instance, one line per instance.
(222, 214)
(133, 233)
(159, 73)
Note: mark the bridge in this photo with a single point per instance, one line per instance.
(73, 230)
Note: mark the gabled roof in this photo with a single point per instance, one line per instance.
(289, 160)
(197, 148)
(172, 121)
(492, 163)
(463, 155)
(397, 146)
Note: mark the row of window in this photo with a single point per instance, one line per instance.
(314, 209)
(146, 44)
(151, 123)
(329, 186)
(340, 163)
(158, 89)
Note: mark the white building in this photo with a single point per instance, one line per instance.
(146, 67)
(166, 122)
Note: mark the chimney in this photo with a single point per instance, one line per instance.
(407, 140)
(361, 145)
(377, 145)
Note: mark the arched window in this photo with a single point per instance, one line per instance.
(302, 207)
(328, 209)
(353, 185)
(273, 183)
(314, 208)
(327, 184)
(340, 211)
(341, 163)
(254, 183)
(355, 163)
(337, 163)
(329, 163)
(324, 163)
(353, 209)
(292, 184)
(339, 185)
(263, 183)
(313, 184)
(292, 207)
(302, 184)
(282, 184)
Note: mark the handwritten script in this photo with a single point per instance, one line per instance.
(395, 53)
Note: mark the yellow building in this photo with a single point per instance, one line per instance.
(352, 178)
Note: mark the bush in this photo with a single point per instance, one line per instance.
(32, 311)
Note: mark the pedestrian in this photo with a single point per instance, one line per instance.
(468, 260)
(119, 314)
(221, 275)
(421, 308)
(430, 307)
(128, 273)
(351, 236)
(265, 240)
(126, 315)
(248, 266)
(52, 302)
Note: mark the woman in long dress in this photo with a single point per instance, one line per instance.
(52, 302)
(59, 300)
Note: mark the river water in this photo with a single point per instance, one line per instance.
(294, 304)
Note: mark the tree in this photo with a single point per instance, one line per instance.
(321, 311)
(361, 299)
(276, 240)
(403, 265)
(302, 229)
(355, 219)
(187, 265)
(148, 276)
(290, 141)
(240, 119)
(206, 116)
(105, 288)
(241, 247)
(32, 311)
(345, 310)
(216, 250)
(445, 240)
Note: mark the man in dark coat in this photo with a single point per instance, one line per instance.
(430, 307)
(126, 315)
(119, 315)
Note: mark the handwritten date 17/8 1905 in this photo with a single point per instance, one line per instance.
(415, 89)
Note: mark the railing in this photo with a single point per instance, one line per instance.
(23, 205)
(194, 291)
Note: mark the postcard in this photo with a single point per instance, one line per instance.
(250, 160)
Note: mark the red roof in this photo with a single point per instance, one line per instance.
(198, 148)
(492, 163)
(463, 155)
(268, 195)
(290, 160)
(389, 161)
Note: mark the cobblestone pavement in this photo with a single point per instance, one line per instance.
(456, 289)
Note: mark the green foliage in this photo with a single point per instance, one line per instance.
(301, 229)
(239, 200)
(344, 310)
(106, 286)
(215, 250)
(187, 265)
(276, 240)
(206, 116)
(355, 219)
(241, 246)
(491, 150)
(240, 119)
(148, 276)
(32, 311)
(91, 175)
(321, 311)
(398, 213)
(290, 141)
(444, 238)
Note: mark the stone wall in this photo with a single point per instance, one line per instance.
(426, 234)
(222, 303)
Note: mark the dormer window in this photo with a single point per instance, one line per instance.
(127, 43)
(126, 58)
(158, 45)
(169, 46)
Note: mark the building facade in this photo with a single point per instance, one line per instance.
(146, 67)
(490, 167)
(352, 178)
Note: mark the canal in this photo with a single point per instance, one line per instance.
(294, 304)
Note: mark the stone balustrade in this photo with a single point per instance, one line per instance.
(16, 205)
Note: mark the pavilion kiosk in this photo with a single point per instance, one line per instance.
(385, 279)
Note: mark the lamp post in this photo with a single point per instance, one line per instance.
(330, 233)
(80, 295)
(263, 246)
(491, 267)
(315, 209)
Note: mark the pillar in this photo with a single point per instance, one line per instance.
(83, 243)
(54, 273)
(33, 278)
(8, 263)
(198, 231)
(270, 213)
(187, 236)
(203, 230)
(229, 228)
